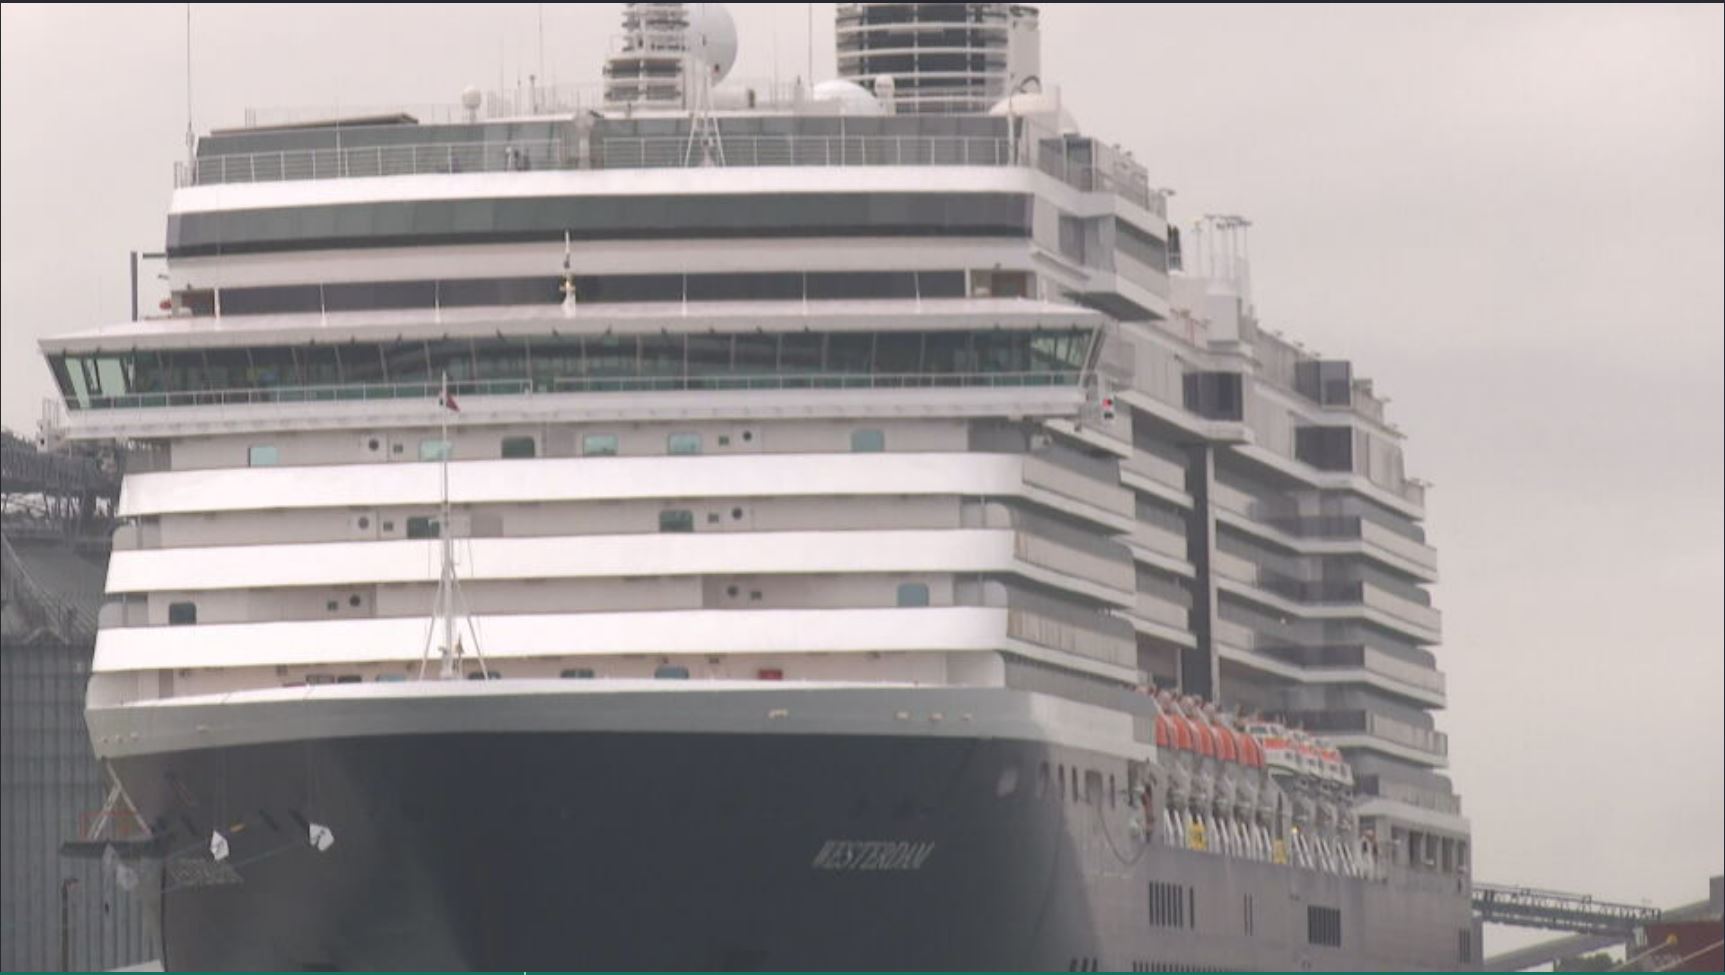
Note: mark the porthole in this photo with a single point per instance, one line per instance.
(353, 600)
(372, 444)
(737, 514)
(731, 591)
(364, 523)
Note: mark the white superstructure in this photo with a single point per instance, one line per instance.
(843, 397)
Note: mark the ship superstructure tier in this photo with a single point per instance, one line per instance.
(927, 414)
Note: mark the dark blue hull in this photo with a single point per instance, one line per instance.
(615, 851)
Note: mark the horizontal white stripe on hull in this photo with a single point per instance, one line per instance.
(319, 642)
(564, 557)
(572, 479)
(645, 707)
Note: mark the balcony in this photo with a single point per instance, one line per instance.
(1333, 664)
(1045, 631)
(1357, 728)
(1111, 502)
(1159, 540)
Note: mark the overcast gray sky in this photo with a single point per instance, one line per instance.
(1510, 218)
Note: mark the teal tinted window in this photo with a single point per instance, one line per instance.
(599, 445)
(570, 364)
(868, 441)
(683, 443)
(913, 594)
(434, 449)
(263, 456)
(677, 520)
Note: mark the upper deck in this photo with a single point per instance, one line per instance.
(813, 134)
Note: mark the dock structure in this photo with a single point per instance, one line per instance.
(56, 509)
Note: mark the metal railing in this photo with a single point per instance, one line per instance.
(1557, 911)
(578, 384)
(340, 163)
(1110, 174)
(650, 152)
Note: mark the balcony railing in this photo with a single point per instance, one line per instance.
(1373, 724)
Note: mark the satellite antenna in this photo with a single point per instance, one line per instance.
(709, 51)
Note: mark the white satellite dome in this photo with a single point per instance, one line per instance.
(849, 97)
(1040, 106)
(713, 37)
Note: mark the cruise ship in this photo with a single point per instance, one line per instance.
(676, 523)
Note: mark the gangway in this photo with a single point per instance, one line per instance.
(1528, 907)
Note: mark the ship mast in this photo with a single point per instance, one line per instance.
(448, 585)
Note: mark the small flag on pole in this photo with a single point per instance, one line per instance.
(447, 401)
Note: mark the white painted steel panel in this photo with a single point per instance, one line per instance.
(572, 634)
(565, 557)
(572, 479)
(776, 181)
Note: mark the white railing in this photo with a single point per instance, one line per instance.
(671, 151)
(335, 163)
(647, 152)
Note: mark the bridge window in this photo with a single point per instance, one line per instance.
(577, 673)
(519, 447)
(182, 614)
(677, 520)
(683, 443)
(570, 364)
(599, 445)
(913, 594)
(263, 455)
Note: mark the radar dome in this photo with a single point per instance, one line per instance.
(713, 38)
(849, 97)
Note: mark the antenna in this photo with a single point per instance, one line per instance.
(191, 143)
(809, 36)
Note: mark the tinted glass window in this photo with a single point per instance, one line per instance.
(519, 447)
(599, 445)
(263, 456)
(868, 441)
(434, 449)
(423, 527)
(683, 443)
(677, 520)
(182, 614)
(913, 594)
